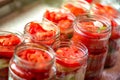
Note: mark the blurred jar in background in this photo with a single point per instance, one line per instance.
(32, 61)
(113, 3)
(71, 60)
(114, 16)
(8, 42)
(76, 7)
(114, 44)
(94, 32)
(42, 32)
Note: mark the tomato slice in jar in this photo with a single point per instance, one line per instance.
(75, 10)
(35, 27)
(94, 28)
(35, 56)
(55, 16)
(105, 10)
(7, 44)
(69, 57)
(40, 33)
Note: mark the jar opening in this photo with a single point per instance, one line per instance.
(92, 25)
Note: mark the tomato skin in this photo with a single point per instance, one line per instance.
(64, 24)
(55, 16)
(75, 10)
(63, 19)
(7, 44)
(35, 56)
(69, 57)
(35, 27)
(102, 9)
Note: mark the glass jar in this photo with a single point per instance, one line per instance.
(8, 42)
(113, 15)
(63, 19)
(94, 32)
(114, 44)
(42, 32)
(76, 7)
(71, 60)
(32, 61)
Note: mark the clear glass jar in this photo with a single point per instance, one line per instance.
(63, 19)
(32, 61)
(76, 7)
(114, 44)
(8, 42)
(71, 60)
(42, 32)
(113, 15)
(94, 32)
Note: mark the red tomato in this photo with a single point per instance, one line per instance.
(75, 10)
(35, 27)
(7, 45)
(55, 16)
(50, 15)
(9, 40)
(64, 24)
(105, 10)
(35, 56)
(69, 56)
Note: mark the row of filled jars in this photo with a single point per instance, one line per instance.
(74, 42)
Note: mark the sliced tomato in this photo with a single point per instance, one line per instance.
(44, 35)
(69, 57)
(9, 40)
(35, 56)
(93, 29)
(35, 27)
(105, 10)
(8, 43)
(64, 24)
(89, 26)
(75, 10)
(50, 15)
(55, 16)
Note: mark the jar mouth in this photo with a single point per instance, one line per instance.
(70, 44)
(45, 22)
(34, 46)
(97, 20)
(17, 33)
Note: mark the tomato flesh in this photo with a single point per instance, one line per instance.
(35, 56)
(63, 20)
(75, 10)
(7, 44)
(69, 57)
(38, 33)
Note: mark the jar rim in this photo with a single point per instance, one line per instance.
(69, 43)
(35, 46)
(92, 17)
(57, 30)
